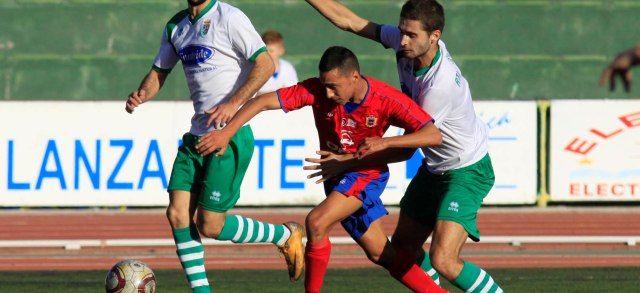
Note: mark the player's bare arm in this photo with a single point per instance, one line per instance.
(262, 69)
(373, 151)
(217, 141)
(621, 66)
(345, 19)
(429, 135)
(148, 89)
(330, 164)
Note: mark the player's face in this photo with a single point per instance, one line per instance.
(275, 50)
(339, 87)
(414, 40)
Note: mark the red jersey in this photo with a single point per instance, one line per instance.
(342, 128)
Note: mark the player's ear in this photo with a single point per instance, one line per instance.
(355, 75)
(434, 36)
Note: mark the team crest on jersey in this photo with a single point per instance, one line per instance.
(205, 28)
(371, 121)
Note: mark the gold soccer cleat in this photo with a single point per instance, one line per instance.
(293, 250)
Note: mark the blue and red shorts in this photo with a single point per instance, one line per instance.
(367, 187)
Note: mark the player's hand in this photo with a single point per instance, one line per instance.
(220, 115)
(213, 142)
(371, 145)
(135, 99)
(329, 164)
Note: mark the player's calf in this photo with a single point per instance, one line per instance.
(210, 229)
(239, 229)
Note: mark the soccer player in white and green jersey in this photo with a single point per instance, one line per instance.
(225, 63)
(445, 195)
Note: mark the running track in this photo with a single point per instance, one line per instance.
(152, 224)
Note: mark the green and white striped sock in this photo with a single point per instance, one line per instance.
(425, 265)
(239, 229)
(474, 279)
(191, 254)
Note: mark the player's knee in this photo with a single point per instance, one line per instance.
(445, 264)
(316, 228)
(376, 258)
(178, 218)
(209, 229)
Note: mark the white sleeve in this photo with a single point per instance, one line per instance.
(438, 104)
(244, 37)
(167, 57)
(389, 36)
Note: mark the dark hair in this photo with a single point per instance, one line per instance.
(272, 36)
(339, 57)
(429, 12)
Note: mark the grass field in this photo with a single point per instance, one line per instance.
(352, 280)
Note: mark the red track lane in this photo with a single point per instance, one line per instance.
(140, 224)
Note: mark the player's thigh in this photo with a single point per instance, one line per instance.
(331, 210)
(183, 200)
(367, 188)
(421, 199)
(448, 239)
(375, 243)
(223, 175)
(464, 190)
(410, 234)
(187, 171)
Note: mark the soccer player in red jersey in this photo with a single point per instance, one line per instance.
(349, 110)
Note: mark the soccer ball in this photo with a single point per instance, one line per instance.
(130, 276)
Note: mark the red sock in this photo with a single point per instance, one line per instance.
(418, 281)
(405, 270)
(316, 257)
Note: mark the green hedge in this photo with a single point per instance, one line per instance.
(100, 49)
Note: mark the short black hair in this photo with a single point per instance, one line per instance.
(339, 57)
(429, 12)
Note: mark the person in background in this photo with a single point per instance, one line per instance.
(284, 75)
(621, 66)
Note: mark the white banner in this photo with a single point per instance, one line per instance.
(595, 150)
(513, 149)
(95, 154)
(88, 153)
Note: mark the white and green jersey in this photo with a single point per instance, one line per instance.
(217, 49)
(444, 93)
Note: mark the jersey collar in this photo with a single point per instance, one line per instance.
(424, 70)
(203, 11)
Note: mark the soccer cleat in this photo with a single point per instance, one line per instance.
(293, 250)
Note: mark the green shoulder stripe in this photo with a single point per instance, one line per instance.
(255, 55)
(163, 70)
(171, 25)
